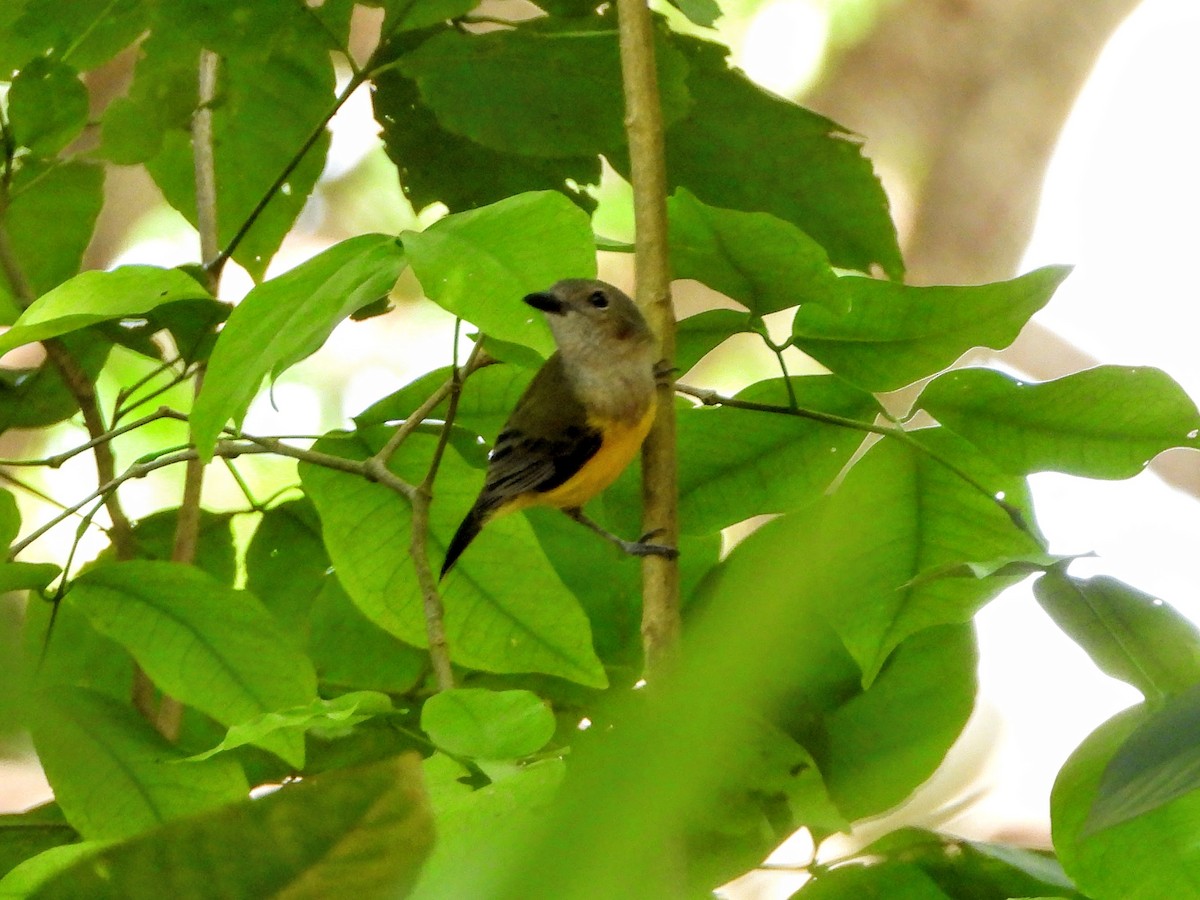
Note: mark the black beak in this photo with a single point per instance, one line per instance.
(546, 302)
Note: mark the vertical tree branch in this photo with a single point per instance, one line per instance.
(169, 718)
(644, 131)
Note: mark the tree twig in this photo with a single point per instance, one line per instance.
(435, 613)
(660, 494)
(712, 398)
(58, 459)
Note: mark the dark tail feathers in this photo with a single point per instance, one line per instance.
(467, 531)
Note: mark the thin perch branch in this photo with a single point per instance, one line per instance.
(660, 493)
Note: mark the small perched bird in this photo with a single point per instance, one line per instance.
(581, 420)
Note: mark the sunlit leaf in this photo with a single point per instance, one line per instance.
(285, 319)
(113, 775)
(895, 334)
(488, 724)
(206, 645)
(479, 264)
(506, 611)
(1129, 635)
(1106, 422)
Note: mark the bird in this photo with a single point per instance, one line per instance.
(582, 419)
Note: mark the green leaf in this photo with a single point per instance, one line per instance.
(698, 335)
(964, 868)
(47, 106)
(1129, 635)
(356, 832)
(22, 576)
(23, 880)
(896, 334)
(436, 165)
(737, 463)
(325, 717)
(488, 724)
(83, 33)
(60, 199)
(95, 296)
(764, 263)
(283, 320)
(404, 15)
(1159, 762)
(897, 881)
(741, 147)
(477, 829)
(1106, 422)
(113, 775)
(351, 651)
(699, 12)
(479, 264)
(545, 89)
(1148, 857)
(286, 563)
(10, 517)
(273, 93)
(26, 834)
(487, 400)
(35, 398)
(154, 537)
(506, 611)
(921, 700)
(208, 646)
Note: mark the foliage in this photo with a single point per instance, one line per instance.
(828, 661)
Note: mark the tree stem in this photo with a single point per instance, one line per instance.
(644, 132)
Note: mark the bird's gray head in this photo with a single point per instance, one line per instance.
(586, 315)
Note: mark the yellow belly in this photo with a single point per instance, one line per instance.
(619, 446)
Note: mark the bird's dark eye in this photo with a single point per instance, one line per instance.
(598, 299)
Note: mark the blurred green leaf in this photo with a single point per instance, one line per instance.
(1129, 635)
(506, 611)
(321, 716)
(1145, 858)
(479, 264)
(96, 296)
(699, 12)
(26, 834)
(24, 879)
(741, 147)
(283, 320)
(208, 646)
(477, 829)
(895, 881)
(357, 832)
(59, 199)
(764, 263)
(895, 334)
(1159, 762)
(47, 106)
(544, 89)
(113, 775)
(965, 868)
(83, 33)
(1106, 422)
(488, 724)
(22, 576)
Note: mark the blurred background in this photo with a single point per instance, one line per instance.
(1009, 134)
